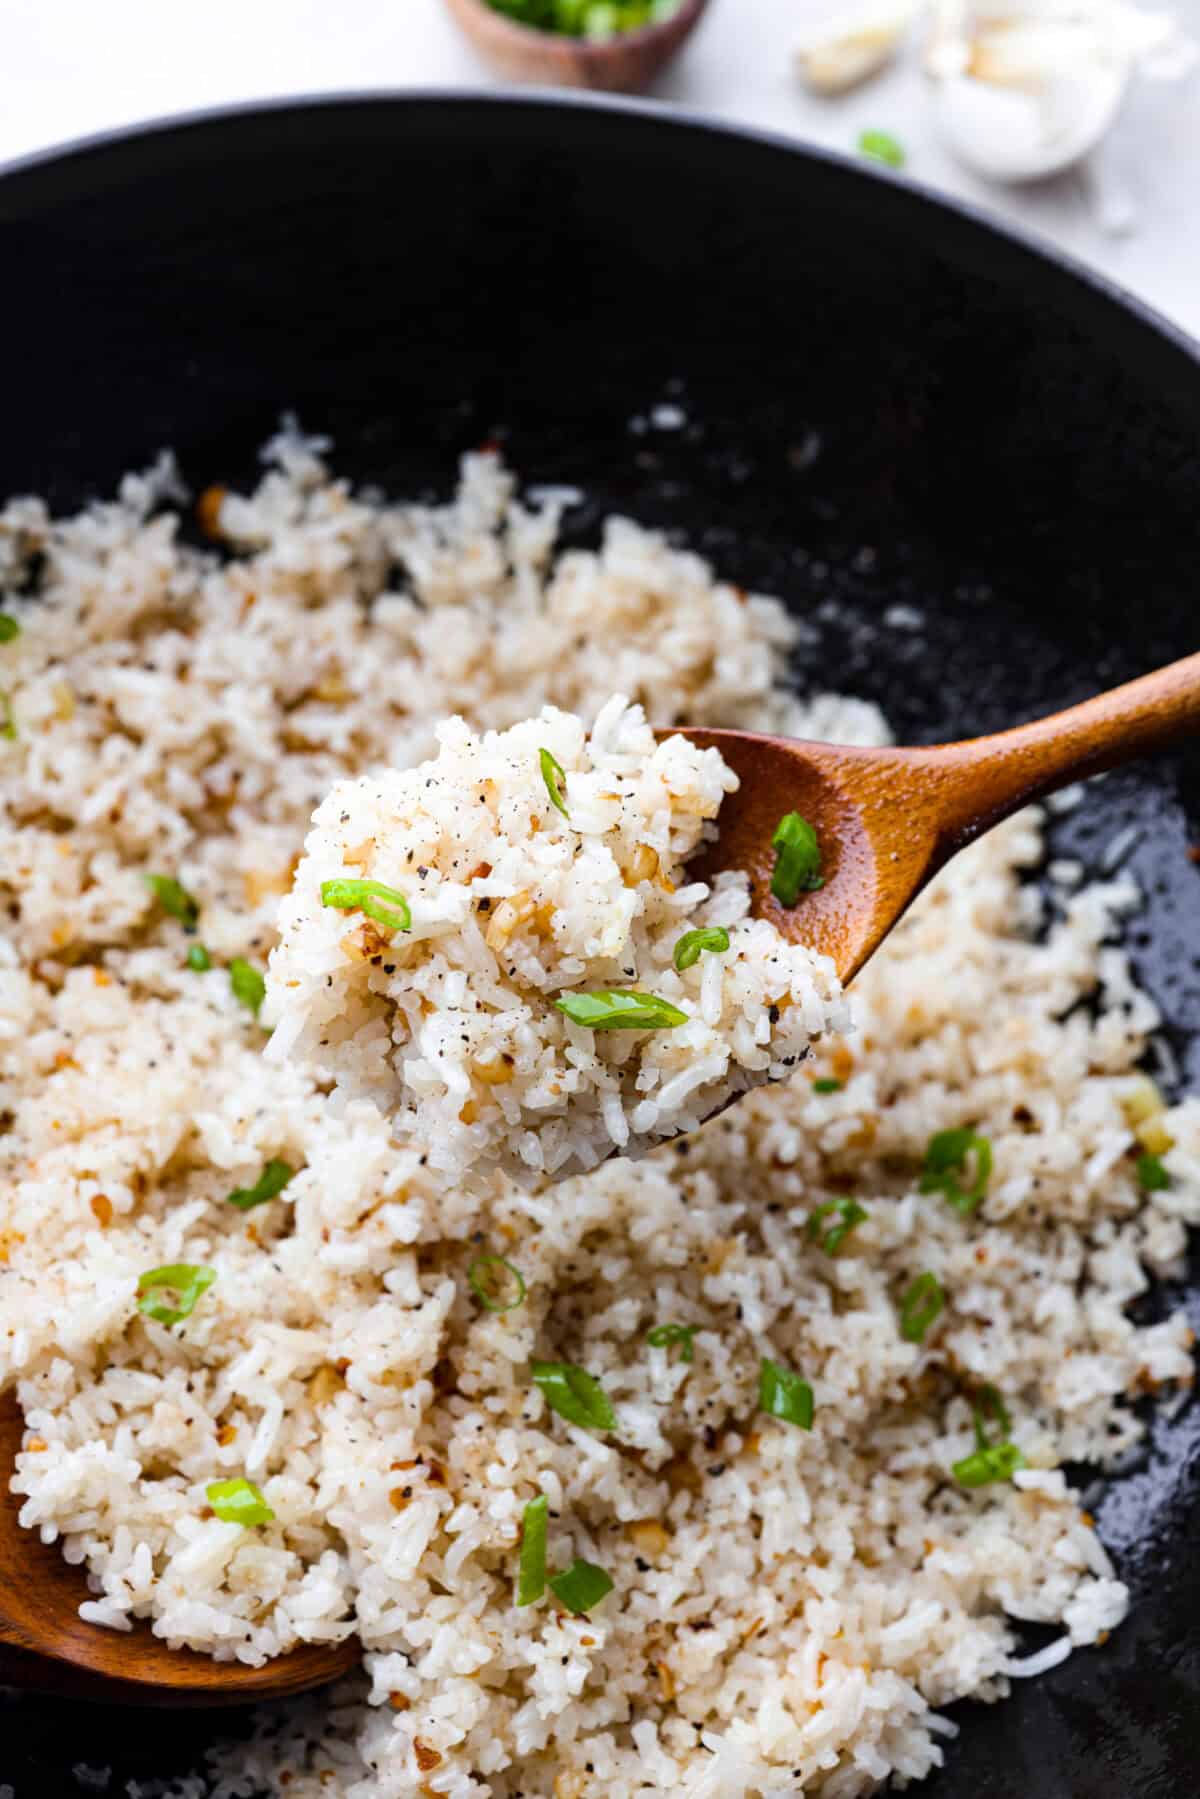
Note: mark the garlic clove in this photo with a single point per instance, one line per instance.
(852, 46)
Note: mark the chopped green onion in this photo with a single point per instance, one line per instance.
(618, 1010)
(185, 1280)
(8, 723)
(664, 1335)
(946, 1159)
(587, 18)
(238, 1502)
(990, 1461)
(1152, 1176)
(198, 958)
(496, 1283)
(826, 1084)
(574, 1394)
(9, 627)
(797, 859)
(989, 1405)
(248, 985)
(922, 1303)
(174, 898)
(998, 1462)
(581, 1586)
(784, 1395)
(531, 1573)
(831, 1240)
(555, 777)
(692, 944)
(365, 897)
(270, 1183)
(881, 146)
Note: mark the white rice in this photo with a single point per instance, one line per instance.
(446, 1014)
(790, 1608)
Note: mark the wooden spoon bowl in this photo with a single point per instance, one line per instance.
(46, 1646)
(888, 819)
(625, 63)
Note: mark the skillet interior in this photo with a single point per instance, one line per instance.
(1001, 444)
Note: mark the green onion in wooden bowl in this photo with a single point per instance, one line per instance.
(621, 45)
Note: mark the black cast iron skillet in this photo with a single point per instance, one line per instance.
(890, 401)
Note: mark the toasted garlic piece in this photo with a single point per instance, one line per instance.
(508, 915)
(1142, 1101)
(494, 1073)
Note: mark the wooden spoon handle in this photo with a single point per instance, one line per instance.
(981, 781)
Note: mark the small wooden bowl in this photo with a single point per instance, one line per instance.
(624, 64)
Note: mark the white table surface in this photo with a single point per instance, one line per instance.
(68, 67)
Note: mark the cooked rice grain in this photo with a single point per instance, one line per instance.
(445, 1014)
(819, 1593)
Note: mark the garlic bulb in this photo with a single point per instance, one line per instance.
(1024, 88)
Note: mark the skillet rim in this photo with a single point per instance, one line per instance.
(972, 228)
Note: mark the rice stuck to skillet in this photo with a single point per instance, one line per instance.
(789, 1606)
(502, 880)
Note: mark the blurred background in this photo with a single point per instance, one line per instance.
(1094, 104)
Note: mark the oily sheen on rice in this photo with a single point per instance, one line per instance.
(515, 899)
(790, 1609)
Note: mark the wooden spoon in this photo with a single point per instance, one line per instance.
(45, 1645)
(888, 819)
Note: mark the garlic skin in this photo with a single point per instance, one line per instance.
(1025, 89)
(852, 46)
